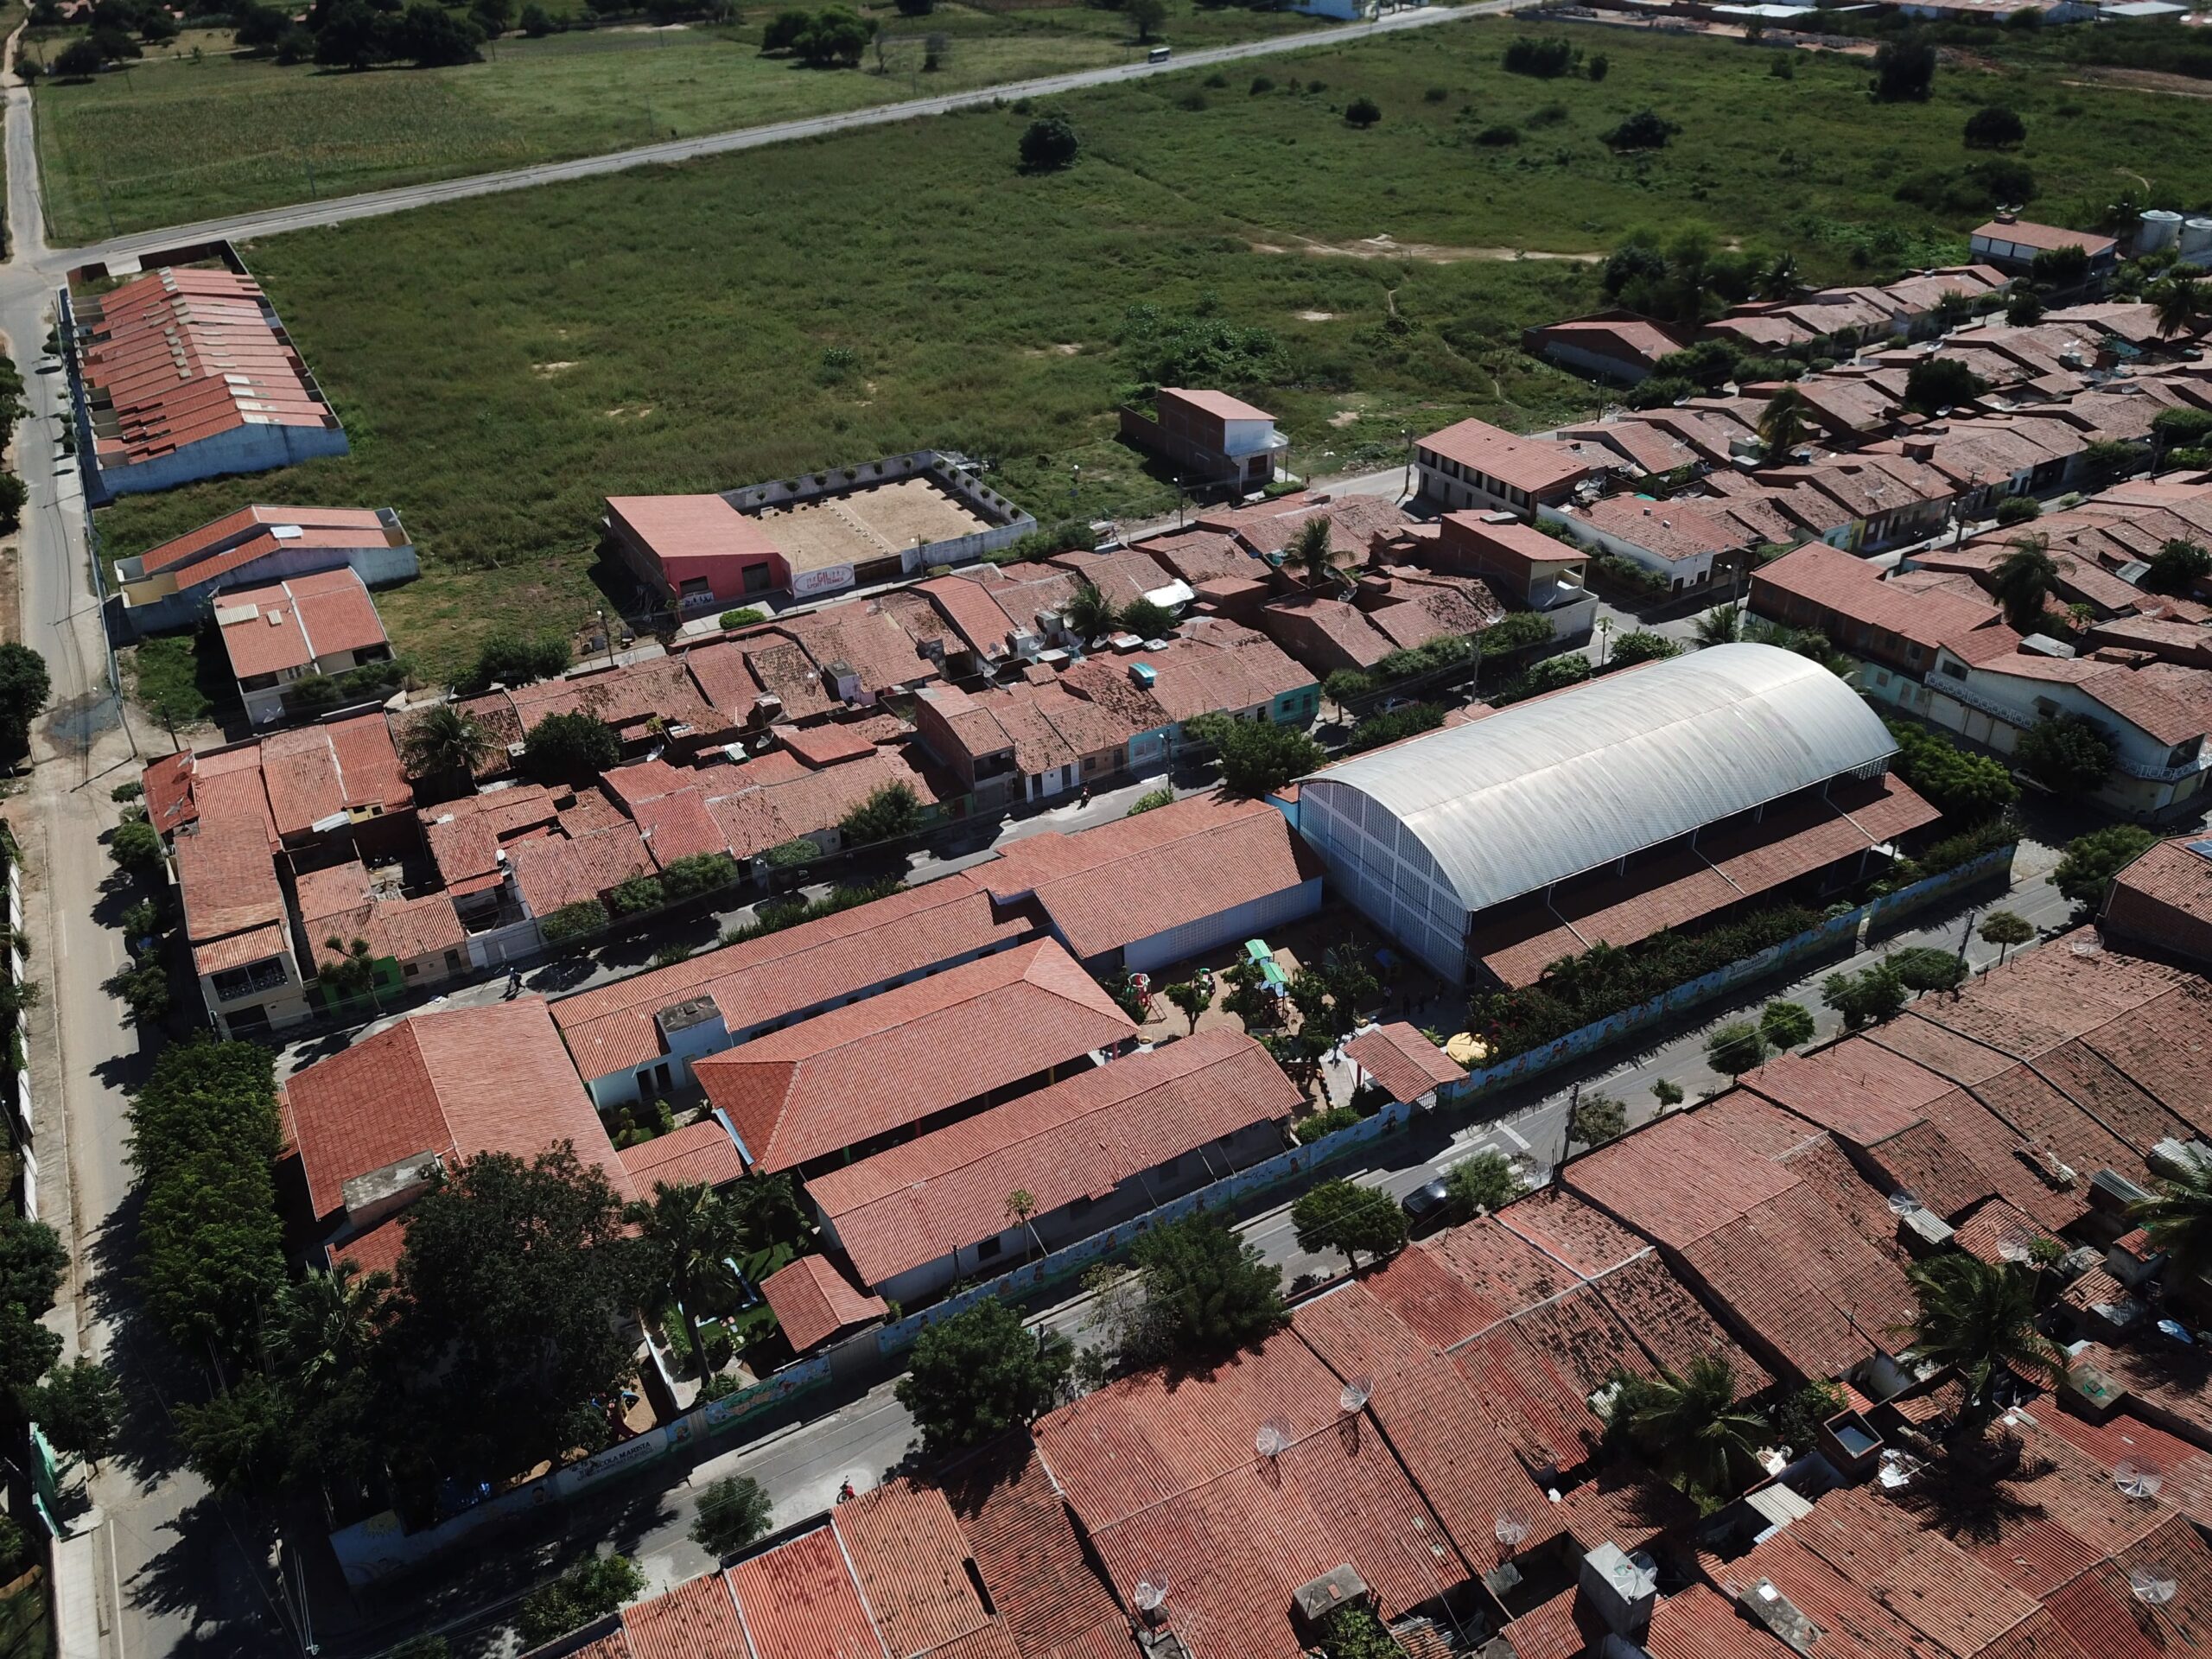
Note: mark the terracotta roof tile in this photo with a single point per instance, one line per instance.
(799, 1602)
(1405, 1063)
(696, 1620)
(1029, 1555)
(910, 1562)
(699, 1153)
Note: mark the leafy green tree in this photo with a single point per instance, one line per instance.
(1736, 1048)
(1797, 1420)
(2005, 929)
(513, 1282)
(2179, 1218)
(591, 1589)
(1597, 1119)
(1644, 129)
(1935, 382)
(2017, 509)
(1979, 1318)
(432, 37)
(1967, 787)
(636, 893)
(1668, 1094)
(32, 1262)
(1786, 1025)
(328, 1327)
(1409, 720)
(1257, 756)
(781, 33)
(734, 1511)
(1924, 968)
(696, 873)
(573, 921)
(1867, 997)
(1516, 630)
(571, 748)
(24, 687)
(2025, 581)
(1362, 112)
(837, 35)
(1191, 998)
(1486, 1182)
(2177, 568)
(538, 23)
(348, 970)
(2090, 862)
(79, 1409)
(690, 1236)
(1904, 69)
(1050, 143)
(979, 1373)
(1206, 1291)
(1641, 646)
(1313, 551)
(1690, 1425)
(1345, 1216)
(135, 846)
(1146, 620)
(2065, 754)
(1147, 14)
(892, 810)
(240, 1441)
(1994, 127)
(444, 742)
(509, 659)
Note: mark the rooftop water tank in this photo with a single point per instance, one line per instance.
(2159, 228)
(2197, 240)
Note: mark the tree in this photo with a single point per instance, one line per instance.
(1668, 1093)
(734, 1511)
(32, 1262)
(1020, 1206)
(536, 22)
(1939, 382)
(1645, 130)
(837, 35)
(1597, 1119)
(1313, 551)
(1147, 14)
(508, 658)
(1786, 1025)
(1736, 1048)
(24, 687)
(79, 1409)
(1206, 1291)
(1049, 143)
(512, 1283)
(1966, 787)
(2183, 301)
(239, 1441)
(1345, 1216)
(1904, 69)
(1486, 1182)
(80, 58)
(2065, 754)
(2090, 862)
(1354, 1632)
(1867, 997)
(1146, 620)
(1995, 127)
(1782, 424)
(1088, 613)
(444, 742)
(891, 810)
(431, 36)
(1151, 801)
(1691, 1425)
(782, 32)
(1924, 968)
(328, 1327)
(591, 1589)
(2177, 568)
(348, 970)
(2024, 582)
(1642, 645)
(1979, 1318)
(1723, 626)
(745, 615)
(2179, 1217)
(1257, 756)
(135, 846)
(1362, 112)
(1191, 997)
(2005, 929)
(351, 35)
(571, 748)
(689, 1234)
(979, 1373)
(2024, 308)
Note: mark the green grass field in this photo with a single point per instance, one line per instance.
(502, 364)
(180, 139)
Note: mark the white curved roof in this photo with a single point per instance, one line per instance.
(1550, 788)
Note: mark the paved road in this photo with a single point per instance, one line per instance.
(373, 203)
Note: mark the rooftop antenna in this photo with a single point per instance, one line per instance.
(2155, 1588)
(1356, 1395)
(1511, 1530)
(1272, 1440)
(2135, 1480)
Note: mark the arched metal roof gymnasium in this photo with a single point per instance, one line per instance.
(1553, 787)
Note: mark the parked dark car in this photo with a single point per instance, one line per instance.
(1426, 1202)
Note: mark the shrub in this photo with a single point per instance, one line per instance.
(585, 916)
(1995, 127)
(2177, 568)
(1262, 84)
(1782, 66)
(1378, 729)
(1257, 757)
(2065, 754)
(1597, 67)
(684, 878)
(2091, 861)
(1049, 143)
(1217, 81)
(892, 810)
(1904, 69)
(536, 22)
(1666, 1093)
(1641, 646)
(1645, 130)
(1967, 845)
(1310, 1129)
(637, 893)
(1547, 58)
(591, 1589)
(1151, 801)
(1517, 631)
(130, 791)
(1486, 1181)
(744, 617)
(773, 919)
(1436, 95)
(1498, 135)
(2018, 510)
(1362, 112)
(1736, 1048)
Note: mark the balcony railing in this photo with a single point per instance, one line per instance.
(257, 980)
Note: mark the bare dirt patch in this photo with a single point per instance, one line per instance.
(1317, 316)
(1343, 417)
(552, 369)
(1428, 253)
(2146, 80)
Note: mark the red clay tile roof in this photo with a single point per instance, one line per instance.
(2164, 899)
(1863, 1093)
(1627, 1506)
(1030, 1557)
(228, 879)
(291, 624)
(1700, 1624)
(1536, 464)
(1218, 403)
(1405, 1063)
(1211, 665)
(340, 903)
(2046, 238)
(1080, 1138)
(453, 1081)
(915, 931)
(1677, 1180)
(696, 1620)
(813, 1301)
(698, 1153)
(349, 765)
(248, 523)
(552, 871)
(853, 1073)
(909, 1562)
(1110, 886)
(799, 1602)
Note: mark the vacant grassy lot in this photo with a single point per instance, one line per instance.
(180, 139)
(502, 364)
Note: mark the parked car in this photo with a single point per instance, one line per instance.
(1426, 1202)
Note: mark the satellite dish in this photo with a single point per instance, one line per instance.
(2012, 1250)
(2152, 1587)
(1512, 1529)
(2135, 1480)
(1355, 1394)
(1270, 1440)
(1903, 1201)
(1151, 1596)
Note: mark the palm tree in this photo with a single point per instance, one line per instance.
(2024, 581)
(1779, 280)
(1723, 626)
(1021, 1204)
(2181, 304)
(690, 1233)
(1088, 613)
(1782, 423)
(328, 1323)
(1693, 1427)
(1979, 1318)
(443, 742)
(2179, 1219)
(1312, 551)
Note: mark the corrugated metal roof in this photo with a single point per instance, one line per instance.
(1557, 785)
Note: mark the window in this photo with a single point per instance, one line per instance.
(1955, 670)
(412, 969)
(988, 1248)
(1090, 763)
(454, 962)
